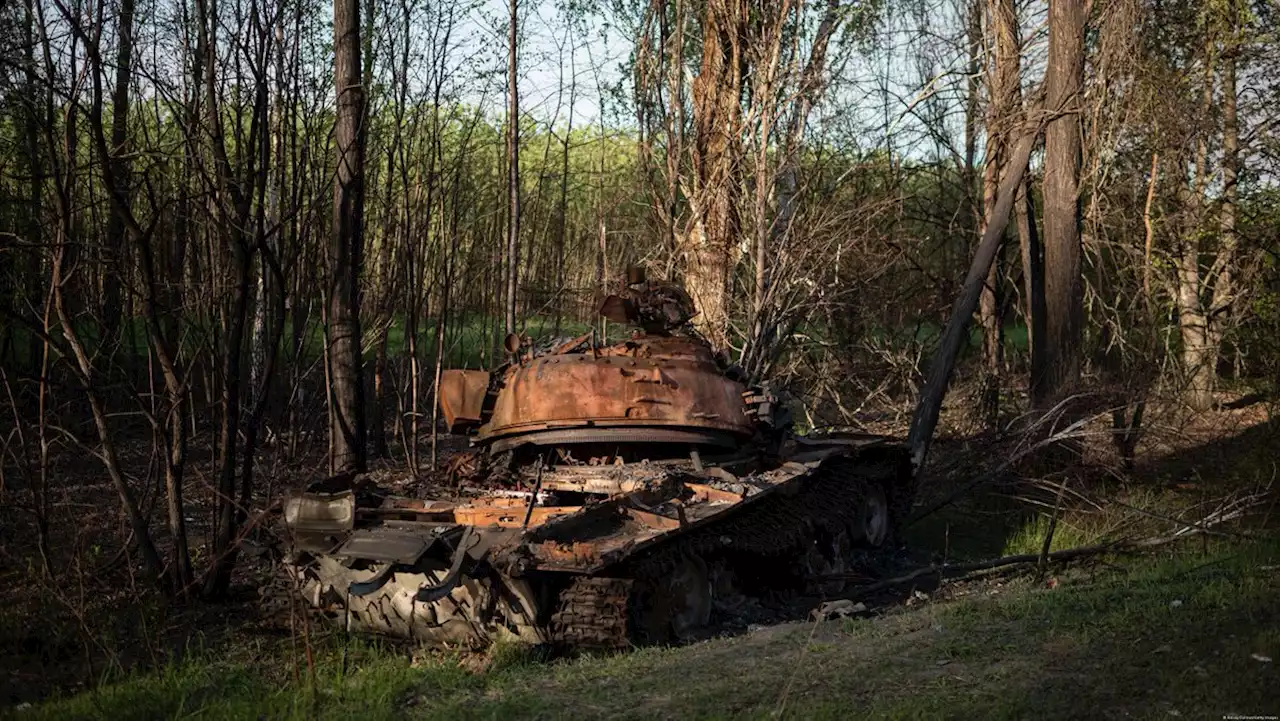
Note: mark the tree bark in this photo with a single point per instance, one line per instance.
(710, 240)
(1199, 358)
(37, 354)
(1064, 312)
(1004, 115)
(346, 392)
(1223, 296)
(119, 159)
(1032, 280)
(925, 419)
(513, 169)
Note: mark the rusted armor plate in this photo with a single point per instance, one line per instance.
(667, 383)
(462, 397)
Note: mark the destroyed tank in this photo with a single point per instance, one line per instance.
(613, 493)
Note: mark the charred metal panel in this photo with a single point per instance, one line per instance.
(381, 544)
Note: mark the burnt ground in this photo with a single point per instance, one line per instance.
(97, 620)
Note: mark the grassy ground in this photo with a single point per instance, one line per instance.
(1174, 635)
(469, 336)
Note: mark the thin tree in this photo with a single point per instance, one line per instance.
(513, 169)
(1064, 313)
(715, 223)
(346, 382)
(1004, 113)
(119, 158)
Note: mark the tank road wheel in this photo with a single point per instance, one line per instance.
(676, 604)
(690, 589)
(827, 555)
(872, 524)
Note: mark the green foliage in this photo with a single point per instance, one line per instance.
(1067, 533)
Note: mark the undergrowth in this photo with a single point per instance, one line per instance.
(1184, 632)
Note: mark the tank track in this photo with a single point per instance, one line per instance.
(593, 613)
(600, 613)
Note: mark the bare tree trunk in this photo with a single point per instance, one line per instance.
(409, 429)
(973, 89)
(1004, 114)
(346, 393)
(1223, 297)
(764, 80)
(39, 358)
(37, 353)
(122, 213)
(232, 207)
(1194, 327)
(1198, 352)
(562, 235)
(258, 173)
(675, 122)
(977, 210)
(1032, 280)
(710, 240)
(513, 169)
(119, 157)
(1064, 313)
(377, 427)
(925, 419)
(128, 502)
(219, 577)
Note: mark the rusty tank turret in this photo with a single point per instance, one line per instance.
(612, 493)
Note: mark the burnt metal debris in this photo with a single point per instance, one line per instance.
(612, 494)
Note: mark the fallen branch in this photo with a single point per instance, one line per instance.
(1024, 449)
(1229, 511)
(952, 570)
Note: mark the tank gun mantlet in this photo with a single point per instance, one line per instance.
(656, 307)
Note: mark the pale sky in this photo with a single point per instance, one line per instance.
(899, 78)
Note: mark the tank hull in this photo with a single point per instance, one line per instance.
(598, 575)
(614, 494)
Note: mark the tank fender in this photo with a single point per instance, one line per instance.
(429, 593)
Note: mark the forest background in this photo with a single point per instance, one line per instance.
(241, 238)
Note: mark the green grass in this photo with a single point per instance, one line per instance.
(470, 340)
(1172, 634)
(472, 337)
(1067, 533)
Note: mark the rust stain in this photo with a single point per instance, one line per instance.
(508, 513)
(577, 553)
(645, 382)
(713, 495)
(462, 396)
(653, 520)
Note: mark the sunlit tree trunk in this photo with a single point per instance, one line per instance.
(1199, 356)
(513, 170)
(346, 392)
(1064, 311)
(1004, 114)
(710, 241)
(1223, 297)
